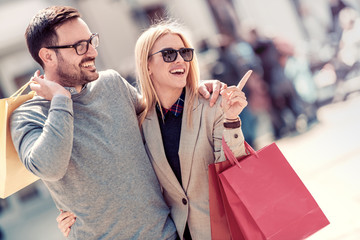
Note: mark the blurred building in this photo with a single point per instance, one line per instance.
(120, 22)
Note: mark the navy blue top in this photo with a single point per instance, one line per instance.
(170, 128)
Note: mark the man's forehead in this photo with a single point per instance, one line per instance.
(72, 31)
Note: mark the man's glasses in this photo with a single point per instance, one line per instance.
(82, 47)
(170, 55)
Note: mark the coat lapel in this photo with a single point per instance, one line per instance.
(188, 139)
(152, 134)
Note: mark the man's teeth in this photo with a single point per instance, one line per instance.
(177, 71)
(88, 64)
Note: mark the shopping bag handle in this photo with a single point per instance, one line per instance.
(21, 90)
(250, 150)
(230, 156)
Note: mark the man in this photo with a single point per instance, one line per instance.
(82, 137)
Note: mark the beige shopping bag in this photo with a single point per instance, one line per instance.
(13, 174)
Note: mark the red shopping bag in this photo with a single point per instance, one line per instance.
(266, 198)
(220, 229)
(223, 223)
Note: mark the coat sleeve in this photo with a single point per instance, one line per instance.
(44, 139)
(233, 137)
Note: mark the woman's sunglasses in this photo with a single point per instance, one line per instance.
(170, 54)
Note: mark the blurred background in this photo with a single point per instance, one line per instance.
(303, 93)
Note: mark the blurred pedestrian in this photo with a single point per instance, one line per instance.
(297, 71)
(286, 105)
(2, 236)
(234, 60)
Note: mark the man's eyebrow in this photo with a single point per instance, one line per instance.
(80, 41)
(84, 40)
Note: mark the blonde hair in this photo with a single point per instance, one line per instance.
(143, 49)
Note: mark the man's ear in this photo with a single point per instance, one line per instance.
(48, 56)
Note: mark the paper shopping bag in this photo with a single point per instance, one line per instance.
(13, 174)
(266, 197)
(223, 223)
(220, 229)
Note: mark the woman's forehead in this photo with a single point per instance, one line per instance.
(169, 40)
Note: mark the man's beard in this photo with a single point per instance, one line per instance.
(71, 75)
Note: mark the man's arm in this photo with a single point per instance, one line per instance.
(44, 140)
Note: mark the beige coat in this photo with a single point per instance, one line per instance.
(199, 146)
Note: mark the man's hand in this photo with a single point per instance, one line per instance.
(211, 86)
(45, 88)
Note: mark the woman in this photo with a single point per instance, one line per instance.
(189, 129)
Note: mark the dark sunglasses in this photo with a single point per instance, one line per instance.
(82, 47)
(170, 54)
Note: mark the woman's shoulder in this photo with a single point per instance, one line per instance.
(206, 102)
(207, 111)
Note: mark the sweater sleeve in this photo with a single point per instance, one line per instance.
(44, 143)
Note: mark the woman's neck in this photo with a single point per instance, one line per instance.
(168, 98)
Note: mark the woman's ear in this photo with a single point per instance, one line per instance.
(149, 70)
(48, 56)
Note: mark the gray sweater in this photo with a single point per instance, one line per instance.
(89, 153)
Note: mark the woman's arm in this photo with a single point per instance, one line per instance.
(233, 102)
(234, 99)
(65, 221)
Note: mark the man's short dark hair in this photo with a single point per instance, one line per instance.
(41, 31)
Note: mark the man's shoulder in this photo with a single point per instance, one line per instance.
(37, 106)
(108, 73)
(36, 103)
(111, 81)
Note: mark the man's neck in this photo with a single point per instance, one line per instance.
(51, 77)
(78, 88)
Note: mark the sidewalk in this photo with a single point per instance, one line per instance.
(36, 220)
(327, 159)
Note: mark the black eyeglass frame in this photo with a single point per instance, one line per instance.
(176, 54)
(78, 43)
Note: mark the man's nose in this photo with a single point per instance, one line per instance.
(92, 52)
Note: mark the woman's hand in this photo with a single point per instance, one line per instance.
(65, 221)
(234, 99)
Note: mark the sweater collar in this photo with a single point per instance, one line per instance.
(73, 91)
